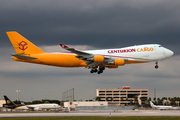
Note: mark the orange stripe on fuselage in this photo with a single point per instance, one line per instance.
(55, 59)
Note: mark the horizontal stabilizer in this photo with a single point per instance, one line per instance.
(23, 56)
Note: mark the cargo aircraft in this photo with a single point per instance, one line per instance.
(163, 107)
(36, 107)
(96, 60)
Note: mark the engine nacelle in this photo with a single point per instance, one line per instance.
(99, 58)
(117, 62)
(36, 108)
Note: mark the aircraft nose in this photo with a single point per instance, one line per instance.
(168, 52)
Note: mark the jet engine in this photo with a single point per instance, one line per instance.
(36, 108)
(99, 58)
(117, 62)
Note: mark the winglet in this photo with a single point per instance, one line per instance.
(63, 46)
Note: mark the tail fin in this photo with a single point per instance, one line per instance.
(21, 44)
(151, 103)
(8, 101)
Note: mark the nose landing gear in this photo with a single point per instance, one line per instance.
(156, 66)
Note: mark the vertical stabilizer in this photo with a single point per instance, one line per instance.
(22, 45)
(8, 101)
(152, 105)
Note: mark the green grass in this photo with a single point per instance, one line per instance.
(95, 118)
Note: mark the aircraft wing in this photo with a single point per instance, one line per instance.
(32, 107)
(87, 57)
(78, 52)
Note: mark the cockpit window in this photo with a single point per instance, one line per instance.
(160, 46)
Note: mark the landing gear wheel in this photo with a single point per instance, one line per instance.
(101, 69)
(99, 72)
(156, 66)
(93, 71)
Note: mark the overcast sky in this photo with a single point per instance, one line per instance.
(89, 24)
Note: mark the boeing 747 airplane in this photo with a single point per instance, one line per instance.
(12, 105)
(96, 60)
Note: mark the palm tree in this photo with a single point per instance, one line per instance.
(145, 100)
(131, 102)
(98, 98)
(107, 98)
(158, 101)
(164, 98)
(126, 101)
(135, 100)
(169, 98)
(172, 101)
(154, 99)
(149, 99)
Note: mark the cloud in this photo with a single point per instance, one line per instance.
(114, 23)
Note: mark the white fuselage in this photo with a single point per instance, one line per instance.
(38, 106)
(150, 52)
(163, 107)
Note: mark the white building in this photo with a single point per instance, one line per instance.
(90, 103)
(2, 102)
(122, 96)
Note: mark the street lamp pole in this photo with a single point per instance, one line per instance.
(17, 94)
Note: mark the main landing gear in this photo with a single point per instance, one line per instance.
(99, 70)
(93, 70)
(156, 66)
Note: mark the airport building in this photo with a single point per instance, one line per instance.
(121, 97)
(2, 102)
